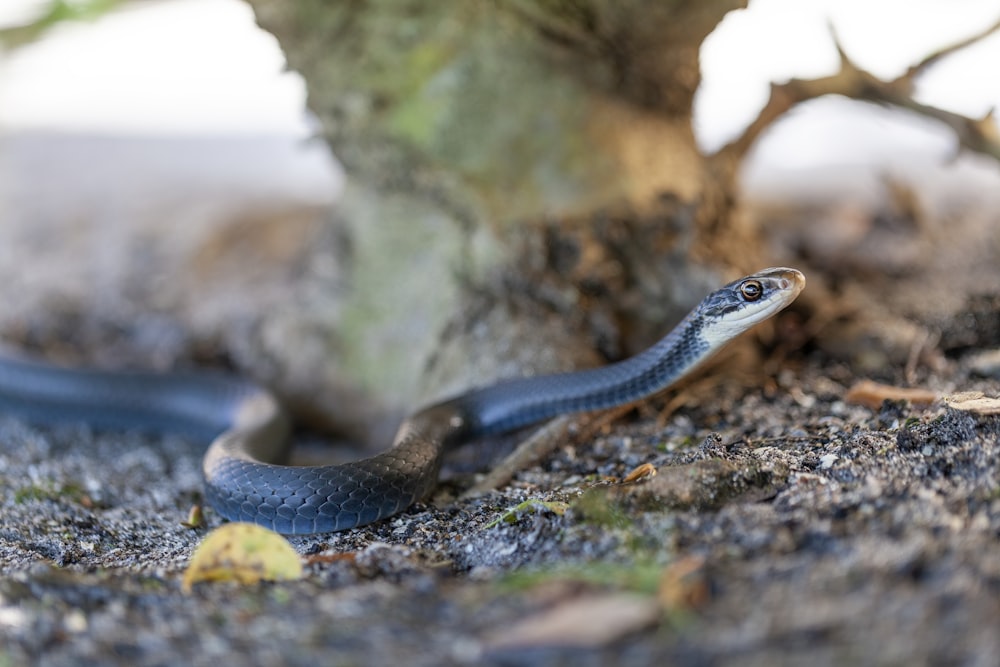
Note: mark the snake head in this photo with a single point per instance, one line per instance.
(741, 304)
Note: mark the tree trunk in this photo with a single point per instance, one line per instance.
(521, 175)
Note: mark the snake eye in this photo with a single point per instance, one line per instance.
(752, 290)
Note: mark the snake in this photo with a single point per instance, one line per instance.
(245, 466)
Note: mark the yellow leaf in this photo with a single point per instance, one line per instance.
(196, 518)
(242, 552)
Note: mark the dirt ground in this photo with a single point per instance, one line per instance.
(794, 516)
(786, 524)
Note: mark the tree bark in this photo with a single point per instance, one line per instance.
(527, 167)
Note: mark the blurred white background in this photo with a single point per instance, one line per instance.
(191, 67)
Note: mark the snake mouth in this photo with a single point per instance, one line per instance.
(795, 280)
(787, 285)
(786, 279)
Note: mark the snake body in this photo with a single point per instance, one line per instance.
(248, 429)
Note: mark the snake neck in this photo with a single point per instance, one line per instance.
(519, 402)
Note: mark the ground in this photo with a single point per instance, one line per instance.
(785, 523)
(790, 518)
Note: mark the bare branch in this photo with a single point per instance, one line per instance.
(851, 81)
(933, 58)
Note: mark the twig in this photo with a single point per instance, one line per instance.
(540, 444)
(978, 135)
(914, 71)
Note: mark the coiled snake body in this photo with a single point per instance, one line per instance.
(244, 482)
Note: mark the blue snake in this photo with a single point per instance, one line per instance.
(244, 479)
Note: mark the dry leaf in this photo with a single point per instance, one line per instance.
(645, 471)
(872, 394)
(195, 518)
(974, 401)
(586, 621)
(242, 552)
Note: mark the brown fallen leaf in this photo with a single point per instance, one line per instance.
(245, 553)
(973, 401)
(871, 394)
(590, 620)
(644, 471)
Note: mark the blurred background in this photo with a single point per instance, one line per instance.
(202, 68)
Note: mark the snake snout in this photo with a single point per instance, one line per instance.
(790, 279)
